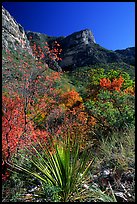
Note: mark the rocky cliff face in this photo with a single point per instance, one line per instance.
(79, 49)
(75, 48)
(13, 34)
(127, 55)
(81, 39)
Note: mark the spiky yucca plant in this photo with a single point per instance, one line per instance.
(62, 168)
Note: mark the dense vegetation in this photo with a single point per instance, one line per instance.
(67, 136)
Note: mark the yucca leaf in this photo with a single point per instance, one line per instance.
(56, 169)
(31, 173)
(61, 167)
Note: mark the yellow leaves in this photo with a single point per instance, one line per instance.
(82, 116)
(130, 90)
(62, 105)
(92, 121)
(70, 98)
(55, 76)
(43, 115)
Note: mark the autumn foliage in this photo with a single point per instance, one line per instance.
(70, 98)
(35, 107)
(116, 84)
(130, 90)
(18, 130)
(47, 52)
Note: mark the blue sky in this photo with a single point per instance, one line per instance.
(112, 23)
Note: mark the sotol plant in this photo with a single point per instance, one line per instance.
(62, 168)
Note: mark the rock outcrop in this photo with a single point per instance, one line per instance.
(79, 49)
(13, 34)
(127, 55)
(81, 39)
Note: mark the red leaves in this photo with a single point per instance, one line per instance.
(92, 121)
(12, 123)
(42, 56)
(16, 133)
(53, 54)
(104, 82)
(116, 84)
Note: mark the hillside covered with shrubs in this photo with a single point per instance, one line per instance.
(66, 136)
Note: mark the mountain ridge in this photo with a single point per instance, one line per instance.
(78, 49)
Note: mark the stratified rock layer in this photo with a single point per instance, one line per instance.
(13, 34)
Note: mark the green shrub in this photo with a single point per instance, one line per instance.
(114, 111)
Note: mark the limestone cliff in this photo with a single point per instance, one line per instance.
(80, 49)
(13, 34)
